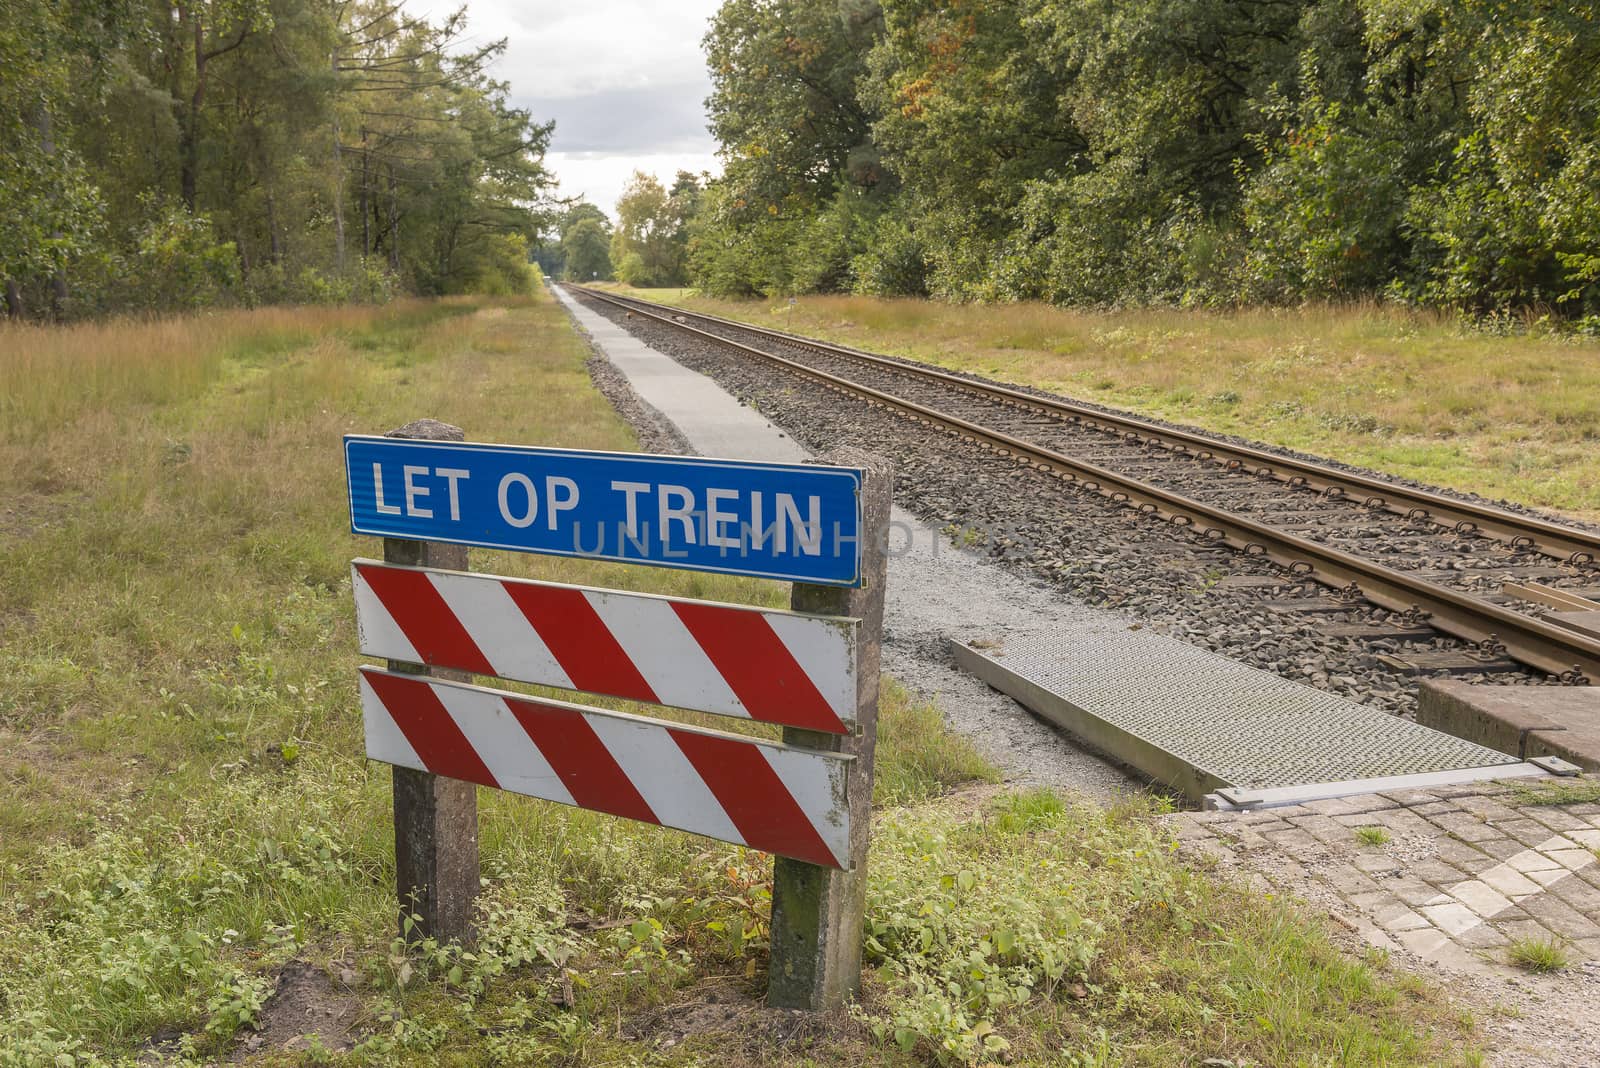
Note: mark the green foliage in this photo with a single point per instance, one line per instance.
(161, 157)
(651, 241)
(1144, 152)
(585, 249)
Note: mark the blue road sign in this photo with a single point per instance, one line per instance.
(781, 521)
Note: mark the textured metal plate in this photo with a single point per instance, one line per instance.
(1199, 720)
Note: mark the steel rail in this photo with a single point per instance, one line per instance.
(1530, 641)
(1552, 539)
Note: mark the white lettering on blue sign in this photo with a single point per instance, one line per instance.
(796, 522)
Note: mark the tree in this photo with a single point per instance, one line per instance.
(648, 246)
(586, 244)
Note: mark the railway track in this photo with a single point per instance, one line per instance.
(1475, 572)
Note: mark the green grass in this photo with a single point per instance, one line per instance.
(1584, 791)
(1538, 955)
(1409, 393)
(184, 808)
(1372, 836)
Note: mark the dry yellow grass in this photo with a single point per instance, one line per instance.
(1513, 417)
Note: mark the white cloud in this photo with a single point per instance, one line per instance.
(599, 179)
(625, 81)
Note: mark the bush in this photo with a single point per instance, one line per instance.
(1323, 213)
(178, 264)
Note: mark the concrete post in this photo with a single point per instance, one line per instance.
(435, 819)
(817, 911)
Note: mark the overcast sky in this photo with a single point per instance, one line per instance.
(624, 79)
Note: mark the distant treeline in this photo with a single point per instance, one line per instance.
(161, 154)
(1201, 152)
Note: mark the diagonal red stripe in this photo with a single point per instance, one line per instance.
(434, 630)
(427, 725)
(580, 641)
(755, 799)
(758, 667)
(577, 754)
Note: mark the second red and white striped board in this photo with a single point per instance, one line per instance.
(789, 668)
(768, 796)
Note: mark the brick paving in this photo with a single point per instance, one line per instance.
(1464, 872)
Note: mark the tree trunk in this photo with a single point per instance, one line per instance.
(394, 227)
(189, 156)
(338, 178)
(366, 233)
(14, 305)
(58, 280)
(272, 229)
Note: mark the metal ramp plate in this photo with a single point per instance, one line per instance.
(1200, 722)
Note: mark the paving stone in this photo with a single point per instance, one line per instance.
(1213, 848)
(1297, 843)
(1557, 841)
(1347, 879)
(1368, 803)
(1325, 829)
(1483, 936)
(1480, 897)
(1473, 789)
(1508, 881)
(1243, 838)
(1571, 859)
(1587, 948)
(1424, 942)
(1519, 930)
(1584, 808)
(1403, 822)
(1561, 917)
(1463, 856)
(1409, 797)
(1531, 860)
(1553, 817)
(1329, 806)
(1467, 826)
(1362, 819)
(1434, 808)
(1451, 918)
(1580, 895)
(1436, 872)
(1372, 863)
(1528, 832)
(1375, 901)
(1550, 876)
(1477, 834)
(1487, 808)
(1189, 830)
(1262, 821)
(1501, 848)
(1399, 918)
(1589, 839)
(1411, 890)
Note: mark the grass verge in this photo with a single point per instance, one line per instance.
(185, 816)
(1510, 416)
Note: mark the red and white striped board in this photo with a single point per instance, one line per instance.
(771, 797)
(780, 667)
